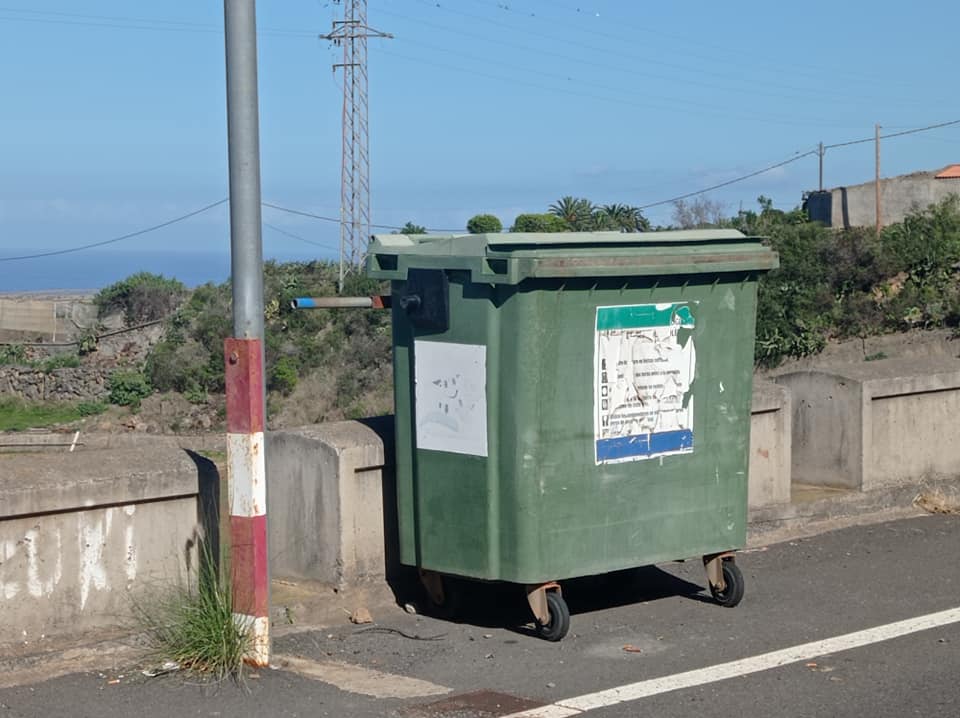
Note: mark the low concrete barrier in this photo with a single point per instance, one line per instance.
(770, 421)
(332, 497)
(82, 533)
(326, 497)
(876, 424)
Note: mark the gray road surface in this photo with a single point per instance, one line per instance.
(797, 592)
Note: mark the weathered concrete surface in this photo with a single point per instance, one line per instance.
(81, 533)
(770, 436)
(326, 502)
(874, 424)
(331, 496)
(855, 206)
(52, 319)
(61, 441)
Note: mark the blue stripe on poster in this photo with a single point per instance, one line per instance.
(625, 447)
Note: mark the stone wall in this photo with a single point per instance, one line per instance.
(70, 384)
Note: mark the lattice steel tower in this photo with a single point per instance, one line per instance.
(352, 33)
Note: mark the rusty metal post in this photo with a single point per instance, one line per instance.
(243, 353)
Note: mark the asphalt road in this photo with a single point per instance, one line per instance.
(652, 623)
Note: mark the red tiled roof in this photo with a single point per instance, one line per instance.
(951, 172)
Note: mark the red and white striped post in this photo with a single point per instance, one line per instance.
(246, 474)
(243, 353)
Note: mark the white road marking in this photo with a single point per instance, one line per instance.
(357, 679)
(711, 674)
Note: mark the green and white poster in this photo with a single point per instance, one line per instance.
(645, 364)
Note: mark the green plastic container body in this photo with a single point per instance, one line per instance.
(582, 403)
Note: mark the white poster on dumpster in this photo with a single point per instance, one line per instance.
(645, 363)
(451, 397)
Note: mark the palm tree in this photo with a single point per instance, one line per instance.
(575, 211)
(623, 217)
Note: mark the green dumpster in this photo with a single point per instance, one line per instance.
(571, 404)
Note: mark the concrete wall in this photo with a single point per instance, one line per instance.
(326, 501)
(770, 435)
(82, 533)
(332, 497)
(876, 424)
(46, 319)
(825, 447)
(855, 206)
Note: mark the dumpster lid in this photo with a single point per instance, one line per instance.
(509, 258)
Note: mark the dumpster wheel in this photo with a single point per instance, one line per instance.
(731, 593)
(442, 596)
(550, 611)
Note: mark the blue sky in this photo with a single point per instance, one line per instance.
(113, 113)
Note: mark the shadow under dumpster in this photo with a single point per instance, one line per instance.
(503, 605)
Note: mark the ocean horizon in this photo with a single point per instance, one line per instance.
(93, 270)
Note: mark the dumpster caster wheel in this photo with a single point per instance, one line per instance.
(442, 595)
(732, 592)
(558, 625)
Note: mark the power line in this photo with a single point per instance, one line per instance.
(644, 99)
(642, 103)
(311, 215)
(810, 93)
(801, 156)
(132, 23)
(729, 182)
(139, 232)
(275, 228)
(302, 213)
(336, 220)
(893, 134)
(765, 63)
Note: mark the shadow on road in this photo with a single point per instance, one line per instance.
(502, 605)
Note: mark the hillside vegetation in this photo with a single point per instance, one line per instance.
(326, 365)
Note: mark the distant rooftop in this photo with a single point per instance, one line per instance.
(950, 172)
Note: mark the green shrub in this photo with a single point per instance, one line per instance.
(13, 354)
(794, 301)
(196, 395)
(483, 224)
(91, 408)
(59, 361)
(539, 223)
(927, 242)
(283, 376)
(142, 297)
(88, 341)
(128, 388)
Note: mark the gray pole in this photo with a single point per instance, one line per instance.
(876, 180)
(820, 151)
(243, 134)
(243, 352)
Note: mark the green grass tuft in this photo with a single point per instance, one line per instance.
(18, 415)
(195, 625)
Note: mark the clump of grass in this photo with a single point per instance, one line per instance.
(18, 415)
(91, 408)
(58, 361)
(195, 626)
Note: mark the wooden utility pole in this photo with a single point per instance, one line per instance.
(876, 181)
